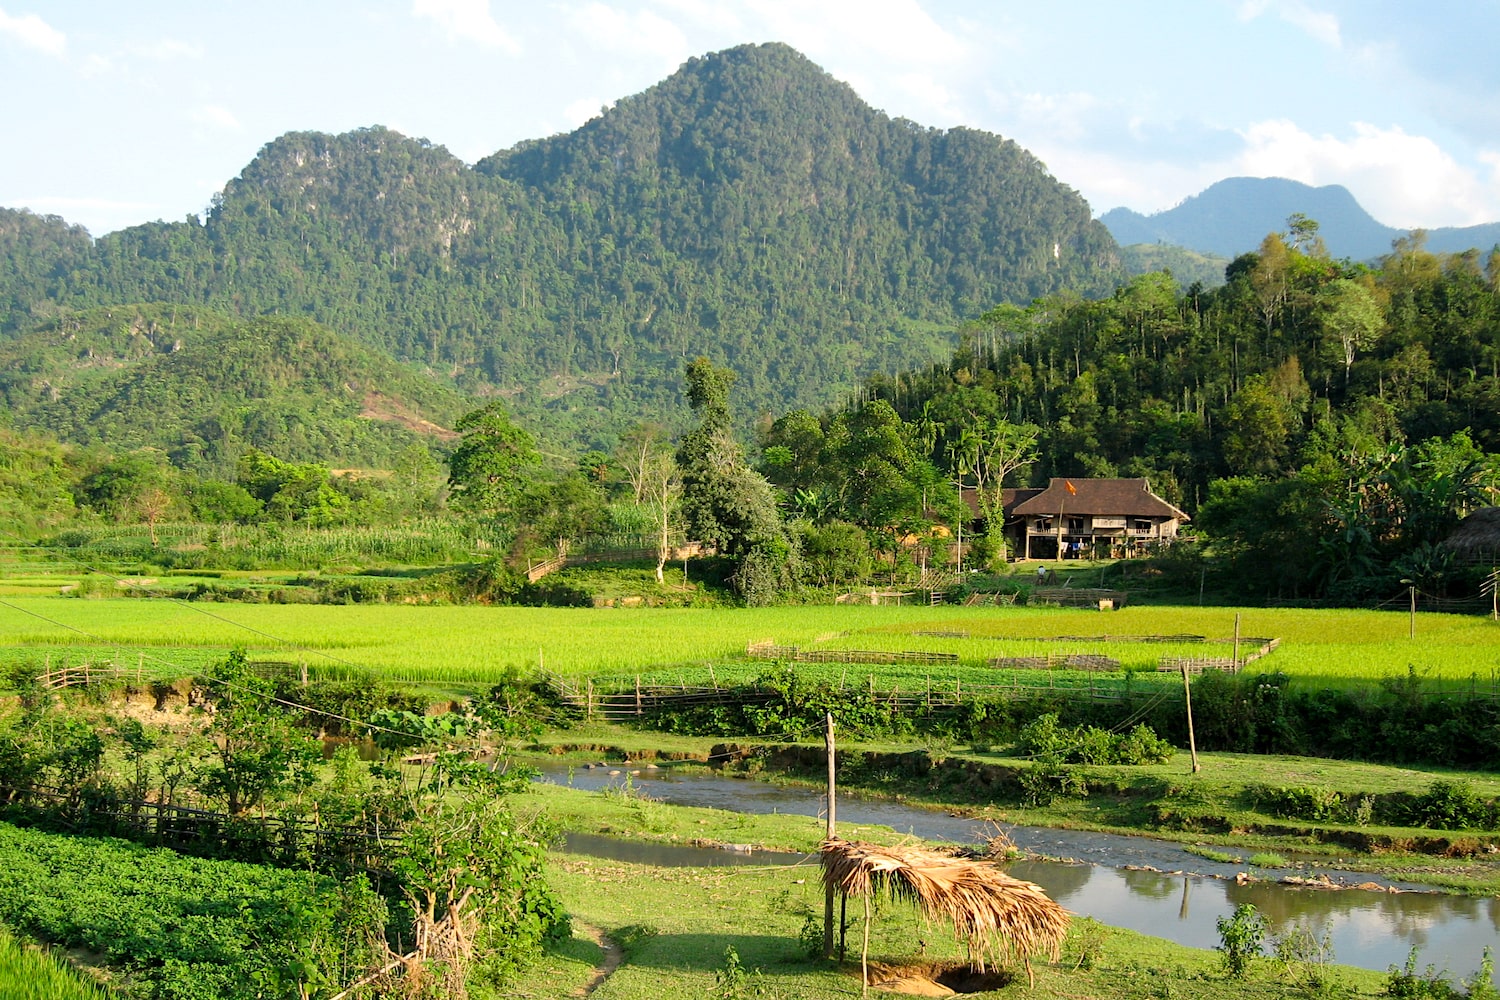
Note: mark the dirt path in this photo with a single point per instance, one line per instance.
(608, 963)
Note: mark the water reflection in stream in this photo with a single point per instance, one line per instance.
(1370, 929)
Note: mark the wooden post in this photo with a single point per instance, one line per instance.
(1187, 697)
(829, 834)
(637, 694)
(843, 924)
(864, 955)
(590, 713)
(1236, 642)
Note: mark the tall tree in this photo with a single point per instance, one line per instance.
(487, 470)
(1352, 319)
(724, 501)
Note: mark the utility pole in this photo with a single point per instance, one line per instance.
(1187, 696)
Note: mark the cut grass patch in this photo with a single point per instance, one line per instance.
(678, 925)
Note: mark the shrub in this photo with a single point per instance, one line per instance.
(1046, 740)
(1454, 805)
(1240, 937)
(1305, 955)
(1142, 746)
(1408, 983)
(1305, 802)
(1043, 783)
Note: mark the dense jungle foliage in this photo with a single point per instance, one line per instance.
(750, 208)
(1325, 423)
(204, 387)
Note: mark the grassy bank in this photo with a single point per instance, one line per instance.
(744, 932)
(1223, 806)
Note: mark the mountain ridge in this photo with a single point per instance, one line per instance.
(748, 207)
(1232, 216)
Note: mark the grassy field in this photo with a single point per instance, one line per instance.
(28, 973)
(476, 645)
(740, 932)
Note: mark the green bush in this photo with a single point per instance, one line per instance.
(1409, 984)
(1306, 802)
(1240, 937)
(1045, 739)
(1044, 783)
(1454, 805)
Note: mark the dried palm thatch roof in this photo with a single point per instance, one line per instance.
(992, 913)
(1477, 537)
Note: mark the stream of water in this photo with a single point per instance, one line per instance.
(1180, 901)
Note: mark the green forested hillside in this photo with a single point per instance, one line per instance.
(204, 387)
(1326, 424)
(749, 208)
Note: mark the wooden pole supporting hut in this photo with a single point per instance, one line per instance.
(997, 917)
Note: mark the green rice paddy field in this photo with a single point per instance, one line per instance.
(457, 646)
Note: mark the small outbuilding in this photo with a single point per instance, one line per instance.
(996, 916)
(1476, 540)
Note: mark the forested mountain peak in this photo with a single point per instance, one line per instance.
(749, 208)
(392, 191)
(710, 119)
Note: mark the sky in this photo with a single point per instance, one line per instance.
(121, 113)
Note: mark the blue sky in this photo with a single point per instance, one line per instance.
(120, 113)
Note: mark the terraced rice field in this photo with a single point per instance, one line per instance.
(477, 645)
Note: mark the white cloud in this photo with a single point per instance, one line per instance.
(1402, 180)
(1070, 116)
(642, 32)
(468, 21)
(896, 32)
(927, 91)
(34, 33)
(582, 110)
(1317, 24)
(715, 16)
(216, 117)
(167, 49)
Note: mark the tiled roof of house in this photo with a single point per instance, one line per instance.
(1103, 497)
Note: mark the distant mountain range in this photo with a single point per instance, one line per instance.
(1233, 217)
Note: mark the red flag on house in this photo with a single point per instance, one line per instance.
(1068, 485)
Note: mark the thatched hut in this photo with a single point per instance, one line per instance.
(996, 916)
(1476, 540)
